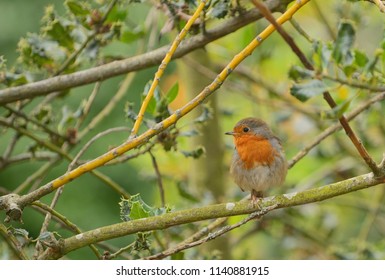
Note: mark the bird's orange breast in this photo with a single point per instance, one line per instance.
(254, 150)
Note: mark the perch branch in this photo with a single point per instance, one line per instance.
(212, 211)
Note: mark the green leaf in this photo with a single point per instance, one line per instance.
(60, 33)
(220, 8)
(322, 55)
(360, 58)
(12, 79)
(129, 36)
(297, 73)
(142, 241)
(345, 38)
(197, 153)
(134, 208)
(337, 111)
(77, 9)
(308, 89)
(371, 64)
(172, 93)
(117, 13)
(152, 104)
(137, 211)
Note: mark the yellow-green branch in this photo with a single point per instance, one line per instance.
(163, 66)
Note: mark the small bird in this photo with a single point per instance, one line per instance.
(258, 161)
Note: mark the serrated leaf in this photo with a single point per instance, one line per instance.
(60, 33)
(345, 38)
(306, 90)
(137, 211)
(134, 208)
(77, 9)
(172, 93)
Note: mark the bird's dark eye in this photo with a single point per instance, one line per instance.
(246, 129)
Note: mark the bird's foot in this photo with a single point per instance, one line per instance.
(256, 198)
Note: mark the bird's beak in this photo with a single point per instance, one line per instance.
(230, 133)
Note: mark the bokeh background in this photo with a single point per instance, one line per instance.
(348, 227)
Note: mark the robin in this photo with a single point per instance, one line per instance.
(258, 161)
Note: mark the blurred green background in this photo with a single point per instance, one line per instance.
(347, 227)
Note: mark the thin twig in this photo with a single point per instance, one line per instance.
(110, 105)
(4, 160)
(87, 106)
(40, 173)
(35, 122)
(120, 251)
(12, 242)
(70, 167)
(76, 53)
(300, 30)
(212, 236)
(73, 227)
(158, 178)
(329, 131)
(125, 158)
(369, 221)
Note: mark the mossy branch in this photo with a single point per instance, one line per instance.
(211, 212)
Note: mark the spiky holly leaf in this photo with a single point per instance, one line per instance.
(134, 208)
